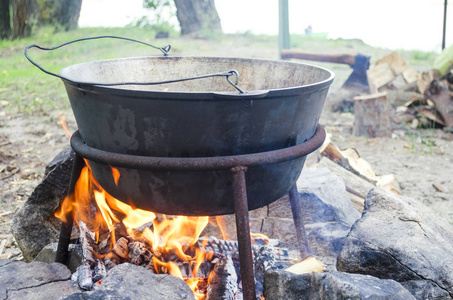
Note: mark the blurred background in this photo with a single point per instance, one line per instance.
(400, 24)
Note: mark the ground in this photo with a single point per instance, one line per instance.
(422, 160)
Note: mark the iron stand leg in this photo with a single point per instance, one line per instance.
(243, 233)
(62, 254)
(301, 235)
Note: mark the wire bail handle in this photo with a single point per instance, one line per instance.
(165, 50)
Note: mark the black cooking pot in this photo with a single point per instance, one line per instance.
(195, 107)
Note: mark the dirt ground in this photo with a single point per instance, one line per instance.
(421, 160)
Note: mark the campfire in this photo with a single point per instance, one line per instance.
(195, 140)
(113, 232)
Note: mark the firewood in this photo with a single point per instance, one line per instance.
(121, 247)
(410, 75)
(139, 254)
(348, 159)
(437, 91)
(389, 182)
(96, 268)
(99, 271)
(309, 265)
(84, 278)
(223, 248)
(429, 113)
(425, 79)
(395, 61)
(223, 280)
(386, 69)
(87, 240)
(380, 75)
(186, 268)
(109, 263)
(372, 116)
(265, 259)
(415, 99)
(354, 184)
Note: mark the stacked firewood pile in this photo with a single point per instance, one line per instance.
(420, 100)
(400, 97)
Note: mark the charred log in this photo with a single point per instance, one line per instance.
(93, 268)
(139, 254)
(223, 280)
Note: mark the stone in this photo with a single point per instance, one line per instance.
(399, 238)
(323, 196)
(326, 239)
(326, 208)
(284, 285)
(425, 289)
(128, 281)
(36, 280)
(34, 225)
(48, 254)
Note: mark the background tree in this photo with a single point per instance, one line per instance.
(5, 19)
(25, 16)
(67, 13)
(193, 16)
(197, 15)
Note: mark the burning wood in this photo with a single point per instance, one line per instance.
(93, 268)
(121, 247)
(162, 244)
(223, 280)
(139, 254)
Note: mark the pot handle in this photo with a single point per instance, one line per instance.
(165, 50)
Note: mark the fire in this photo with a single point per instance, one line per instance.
(169, 237)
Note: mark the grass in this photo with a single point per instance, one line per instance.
(25, 89)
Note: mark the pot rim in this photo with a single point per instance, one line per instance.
(196, 95)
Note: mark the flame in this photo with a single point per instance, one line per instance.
(170, 236)
(116, 175)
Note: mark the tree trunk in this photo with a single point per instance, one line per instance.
(67, 13)
(197, 15)
(5, 27)
(25, 14)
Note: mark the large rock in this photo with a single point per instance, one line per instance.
(34, 225)
(281, 285)
(37, 280)
(326, 208)
(401, 239)
(128, 281)
(323, 197)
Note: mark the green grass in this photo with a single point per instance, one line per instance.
(25, 89)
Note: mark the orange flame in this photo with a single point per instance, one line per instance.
(116, 175)
(170, 235)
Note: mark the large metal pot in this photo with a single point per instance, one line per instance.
(203, 117)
